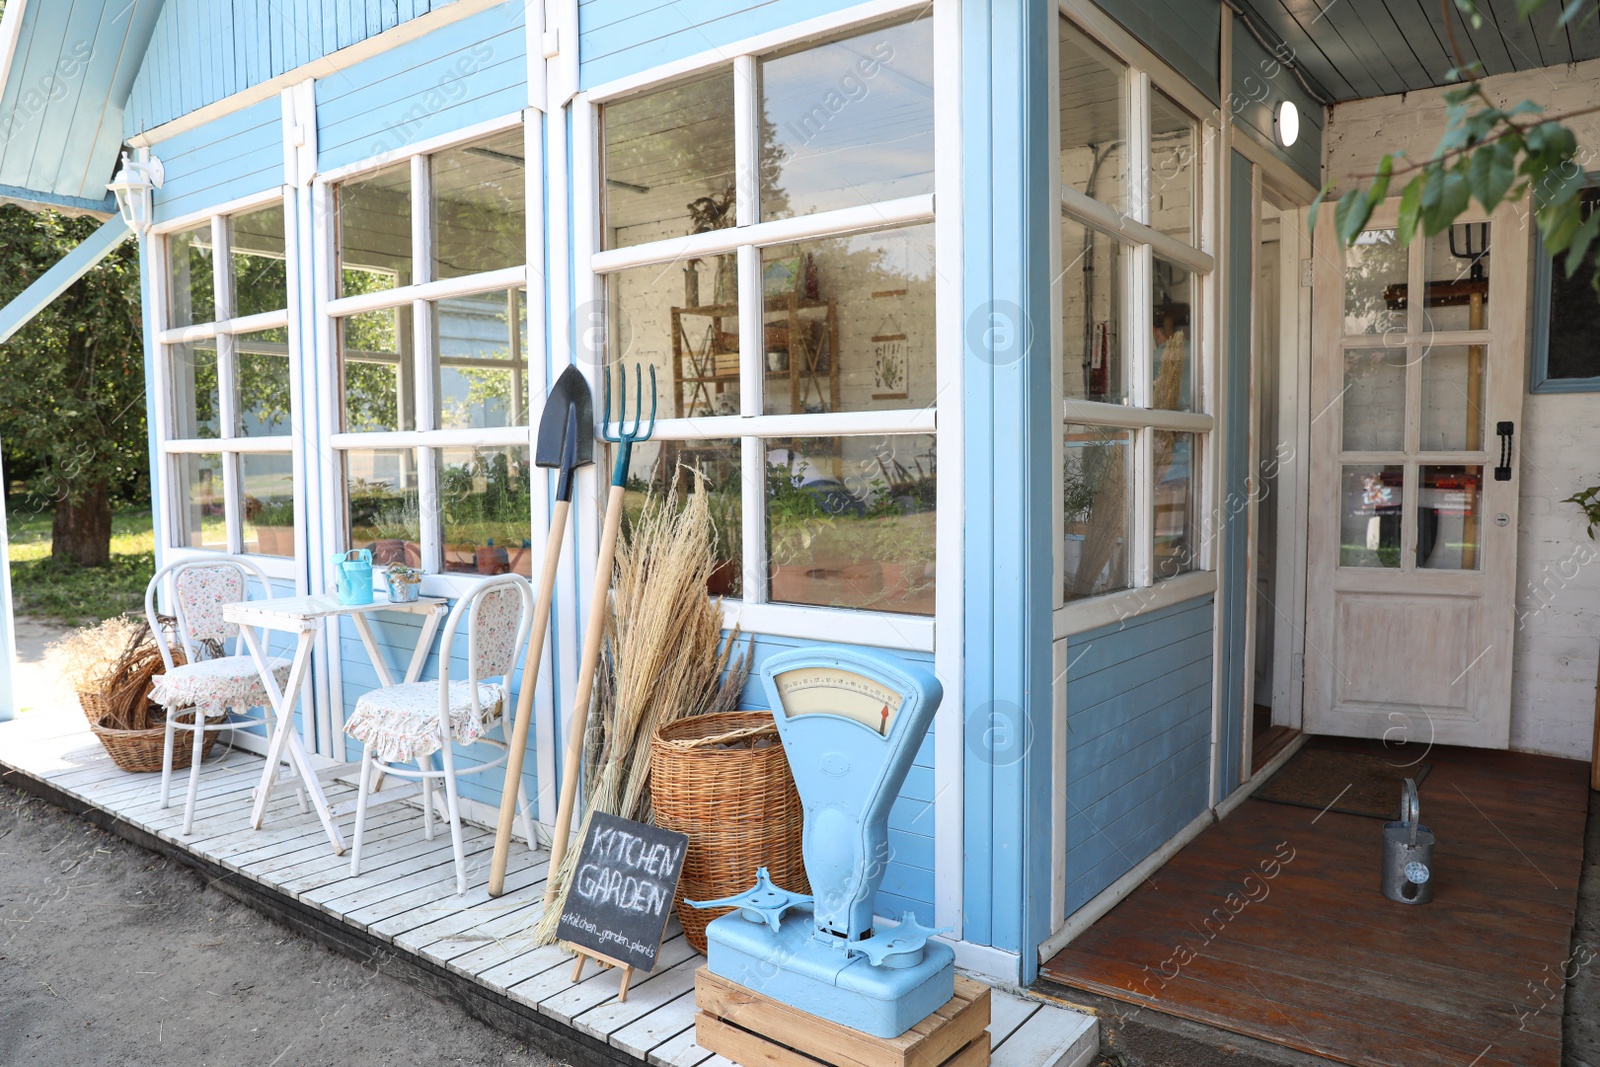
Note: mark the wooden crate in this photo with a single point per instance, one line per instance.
(757, 1031)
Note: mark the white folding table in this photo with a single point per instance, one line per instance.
(302, 616)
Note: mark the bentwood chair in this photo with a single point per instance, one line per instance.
(409, 723)
(211, 681)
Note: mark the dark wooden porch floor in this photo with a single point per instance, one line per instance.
(1292, 941)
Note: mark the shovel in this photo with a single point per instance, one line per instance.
(566, 442)
(578, 722)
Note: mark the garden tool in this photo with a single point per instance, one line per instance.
(578, 722)
(565, 442)
(352, 576)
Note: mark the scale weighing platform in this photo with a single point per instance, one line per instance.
(851, 721)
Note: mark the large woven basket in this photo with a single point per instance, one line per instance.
(140, 751)
(724, 780)
(94, 704)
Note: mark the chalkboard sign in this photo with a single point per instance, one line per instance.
(622, 889)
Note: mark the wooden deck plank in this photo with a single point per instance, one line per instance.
(1050, 1037)
(571, 1001)
(665, 986)
(1316, 958)
(1006, 1013)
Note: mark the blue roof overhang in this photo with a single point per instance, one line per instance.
(66, 70)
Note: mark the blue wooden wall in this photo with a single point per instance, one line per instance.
(1260, 83)
(1138, 740)
(237, 155)
(621, 37)
(464, 73)
(1237, 485)
(1185, 33)
(204, 50)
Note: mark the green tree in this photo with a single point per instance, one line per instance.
(1489, 154)
(72, 403)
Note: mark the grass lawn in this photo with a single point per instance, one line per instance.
(67, 593)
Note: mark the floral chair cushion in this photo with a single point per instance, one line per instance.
(202, 592)
(215, 685)
(401, 723)
(499, 612)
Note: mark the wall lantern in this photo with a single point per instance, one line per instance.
(1286, 123)
(133, 186)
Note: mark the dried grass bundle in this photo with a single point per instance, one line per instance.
(666, 659)
(126, 686)
(83, 658)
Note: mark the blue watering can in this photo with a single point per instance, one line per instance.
(352, 576)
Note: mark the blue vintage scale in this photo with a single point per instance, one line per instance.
(851, 721)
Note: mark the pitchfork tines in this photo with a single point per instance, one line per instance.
(623, 435)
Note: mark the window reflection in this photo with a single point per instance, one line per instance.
(1172, 316)
(1447, 517)
(479, 209)
(202, 516)
(1094, 119)
(1369, 520)
(483, 364)
(1176, 463)
(378, 376)
(267, 509)
(191, 293)
(1097, 506)
(197, 400)
(485, 510)
(374, 218)
(658, 468)
(382, 504)
(260, 268)
(262, 362)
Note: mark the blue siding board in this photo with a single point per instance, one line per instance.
(238, 154)
(1188, 35)
(1138, 740)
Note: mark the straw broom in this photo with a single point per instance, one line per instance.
(666, 658)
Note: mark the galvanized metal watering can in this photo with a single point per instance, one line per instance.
(1408, 853)
(352, 576)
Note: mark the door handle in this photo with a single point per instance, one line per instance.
(1506, 430)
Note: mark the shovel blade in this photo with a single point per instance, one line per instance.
(571, 389)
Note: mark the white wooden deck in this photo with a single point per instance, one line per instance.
(403, 906)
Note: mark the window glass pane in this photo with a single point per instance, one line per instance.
(196, 402)
(263, 377)
(1174, 166)
(850, 522)
(1452, 398)
(1097, 505)
(260, 269)
(1094, 119)
(1457, 265)
(480, 213)
(377, 370)
(202, 521)
(657, 467)
(1375, 284)
(191, 292)
(1374, 399)
(1176, 463)
(1369, 516)
(483, 364)
(375, 231)
(1574, 314)
(850, 323)
(669, 161)
(1447, 517)
(484, 509)
(848, 123)
(268, 505)
(1172, 328)
(683, 320)
(1093, 357)
(382, 505)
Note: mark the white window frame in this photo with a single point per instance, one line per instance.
(1140, 243)
(227, 326)
(754, 613)
(418, 296)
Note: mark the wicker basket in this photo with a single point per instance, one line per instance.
(140, 751)
(94, 705)
(724, 780)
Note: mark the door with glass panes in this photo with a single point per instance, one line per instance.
(1413, 510)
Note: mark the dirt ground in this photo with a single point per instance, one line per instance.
(112, 955)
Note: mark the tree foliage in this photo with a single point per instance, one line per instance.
(1488, 154)
(72, 398)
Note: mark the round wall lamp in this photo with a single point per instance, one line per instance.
(1286, 123)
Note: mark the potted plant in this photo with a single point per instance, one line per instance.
(274, 524)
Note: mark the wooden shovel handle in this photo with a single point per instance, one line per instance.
(518, 744)
(578, 721)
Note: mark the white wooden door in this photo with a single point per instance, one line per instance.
(1413, 505)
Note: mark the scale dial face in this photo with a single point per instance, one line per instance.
(836, 691)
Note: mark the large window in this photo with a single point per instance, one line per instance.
(431, 440)
(1135, 423)
(226, 371)
(789, 318)
(1566, 356)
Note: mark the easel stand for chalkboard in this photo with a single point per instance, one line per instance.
(604, 961)
(757, 1031)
